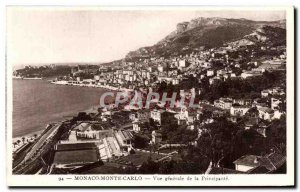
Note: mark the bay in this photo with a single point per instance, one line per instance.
(38, 102)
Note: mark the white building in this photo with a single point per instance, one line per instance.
(275, 103)
(239, 110)
(156, 115)
(182, 63)
(156, 137)
(266, 113)
(247, 74)
(223, 103)
(210, 72)
(246, 163)
(160, 68)
(135, 126)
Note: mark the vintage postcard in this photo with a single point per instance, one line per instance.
(150, 96)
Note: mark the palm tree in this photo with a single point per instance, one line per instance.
(23, 139)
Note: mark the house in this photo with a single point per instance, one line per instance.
(124, 139)
(182, 116)
(86, 130)
(160, 68)
(161, 115)
(156, 137)
(218, 113)
(258, 103)
(278, 91)
(273, 91)
(136, 126)
(275, 103)
(132, 116)
(239, 110)
(242, 101)
(143, 115)
(265, 93)
(223, 103)
(274, 162)
(266, 113)
(210, 72)
(156, 115)
(175, 81)
(270, 163)
(248, 74)
(182, 63)
(246, 163)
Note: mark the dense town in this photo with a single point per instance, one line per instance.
(239, 127)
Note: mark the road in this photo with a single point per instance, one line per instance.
(41, 141)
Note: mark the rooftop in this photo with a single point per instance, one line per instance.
(266, 109)
(75, 157)
(75, 146)
(248, 160)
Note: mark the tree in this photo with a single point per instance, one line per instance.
(217, 140)
(140, 142)
(23, 139)
(149, 167)
(276, 134)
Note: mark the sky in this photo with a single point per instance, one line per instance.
(40, 36)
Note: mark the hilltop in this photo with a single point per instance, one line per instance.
(203, 33)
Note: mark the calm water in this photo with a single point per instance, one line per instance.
(37, 102)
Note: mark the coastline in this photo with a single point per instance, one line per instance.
(92, 108)
(74, 83)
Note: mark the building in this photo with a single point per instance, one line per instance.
(182, 63)
(265, 93)
(239, 110)
(74, 155)
(175, 81)
(156, 137)
(248, 74)
(223, 103)
(160, 68)
(275, 103)
(246, 163)
(136, 126)
(243, 101)
(266, 113)
(156, 115)
(210, 73)
(270, 163)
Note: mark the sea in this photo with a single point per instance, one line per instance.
(38, 102)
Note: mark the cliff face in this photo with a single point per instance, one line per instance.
(208, 33)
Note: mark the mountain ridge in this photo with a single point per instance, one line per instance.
(209, 32)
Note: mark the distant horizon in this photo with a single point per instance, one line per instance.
(89, 36)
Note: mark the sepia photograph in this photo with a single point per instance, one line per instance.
(150, 96)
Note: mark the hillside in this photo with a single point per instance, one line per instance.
(203, 33)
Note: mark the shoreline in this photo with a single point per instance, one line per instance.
(90, 85)
(39, 132)
(30, 135)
